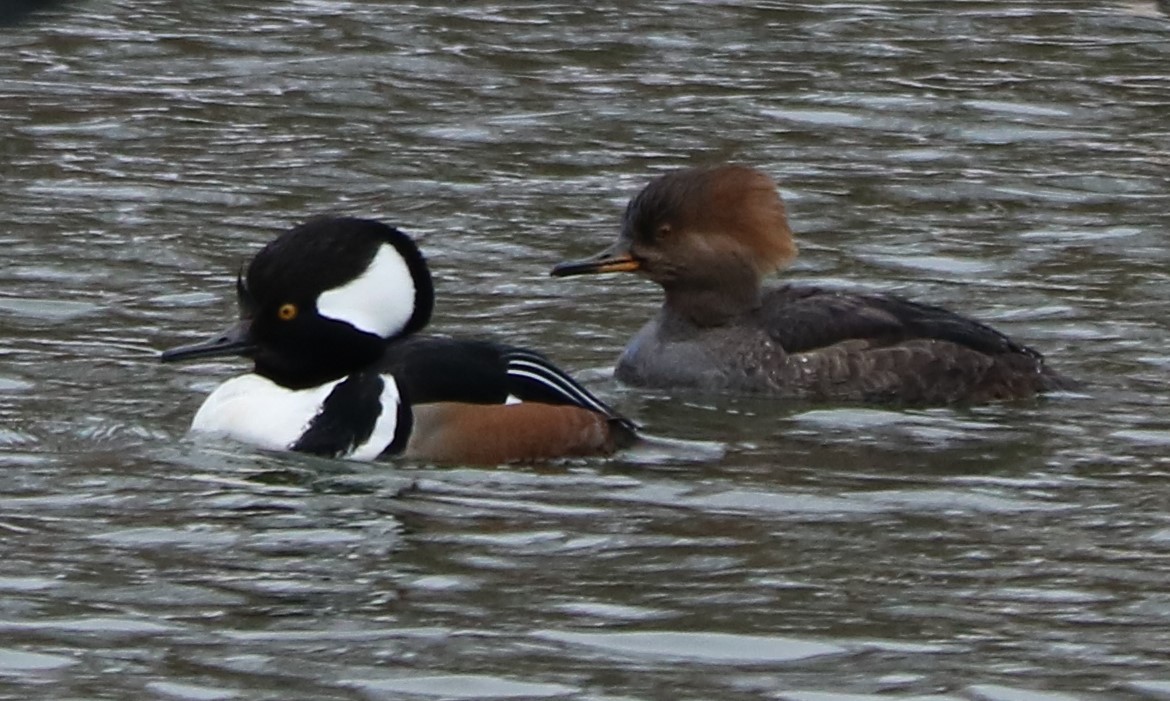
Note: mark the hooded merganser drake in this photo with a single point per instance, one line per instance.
(330, 313)
(708, 236)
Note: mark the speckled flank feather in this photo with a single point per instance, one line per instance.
(824, 345)
(884, 349)
(916, 372)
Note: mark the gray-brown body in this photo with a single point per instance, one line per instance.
(819, 345)
(708, 237)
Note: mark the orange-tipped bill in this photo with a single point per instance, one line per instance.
(615, 259)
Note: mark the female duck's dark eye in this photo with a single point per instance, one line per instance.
(287, 312)
(662, 232)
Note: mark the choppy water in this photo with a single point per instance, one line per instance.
(1010, 160)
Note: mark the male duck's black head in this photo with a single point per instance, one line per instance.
(322, 300)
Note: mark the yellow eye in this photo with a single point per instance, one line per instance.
(287, 312)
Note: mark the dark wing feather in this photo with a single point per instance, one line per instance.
(440, 369)
(803, 319)
(532, 378)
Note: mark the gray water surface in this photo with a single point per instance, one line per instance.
(1009, 160)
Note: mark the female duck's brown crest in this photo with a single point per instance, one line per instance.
(724, 210)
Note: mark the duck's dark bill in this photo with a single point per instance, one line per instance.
(611, 260)
(234, 341)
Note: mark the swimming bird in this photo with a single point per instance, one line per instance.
(709, 236)
(330, 314)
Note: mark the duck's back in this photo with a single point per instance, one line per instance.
(818, 344)
(433, 369)
(483, 402)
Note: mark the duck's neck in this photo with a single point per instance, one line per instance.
(714, 303)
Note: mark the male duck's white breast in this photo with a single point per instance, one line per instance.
(254, 410)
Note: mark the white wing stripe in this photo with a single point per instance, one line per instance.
(580, 400)
(555, 380)
(550, 376)
(566, 391)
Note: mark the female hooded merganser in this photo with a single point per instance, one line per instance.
(709, 235)
(329, 315)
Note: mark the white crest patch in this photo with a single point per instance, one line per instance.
(379, 301)
(257, 411)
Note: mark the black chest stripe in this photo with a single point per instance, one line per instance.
(402, 429)
(347, 417)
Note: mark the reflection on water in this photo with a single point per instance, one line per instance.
(1009, 161)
